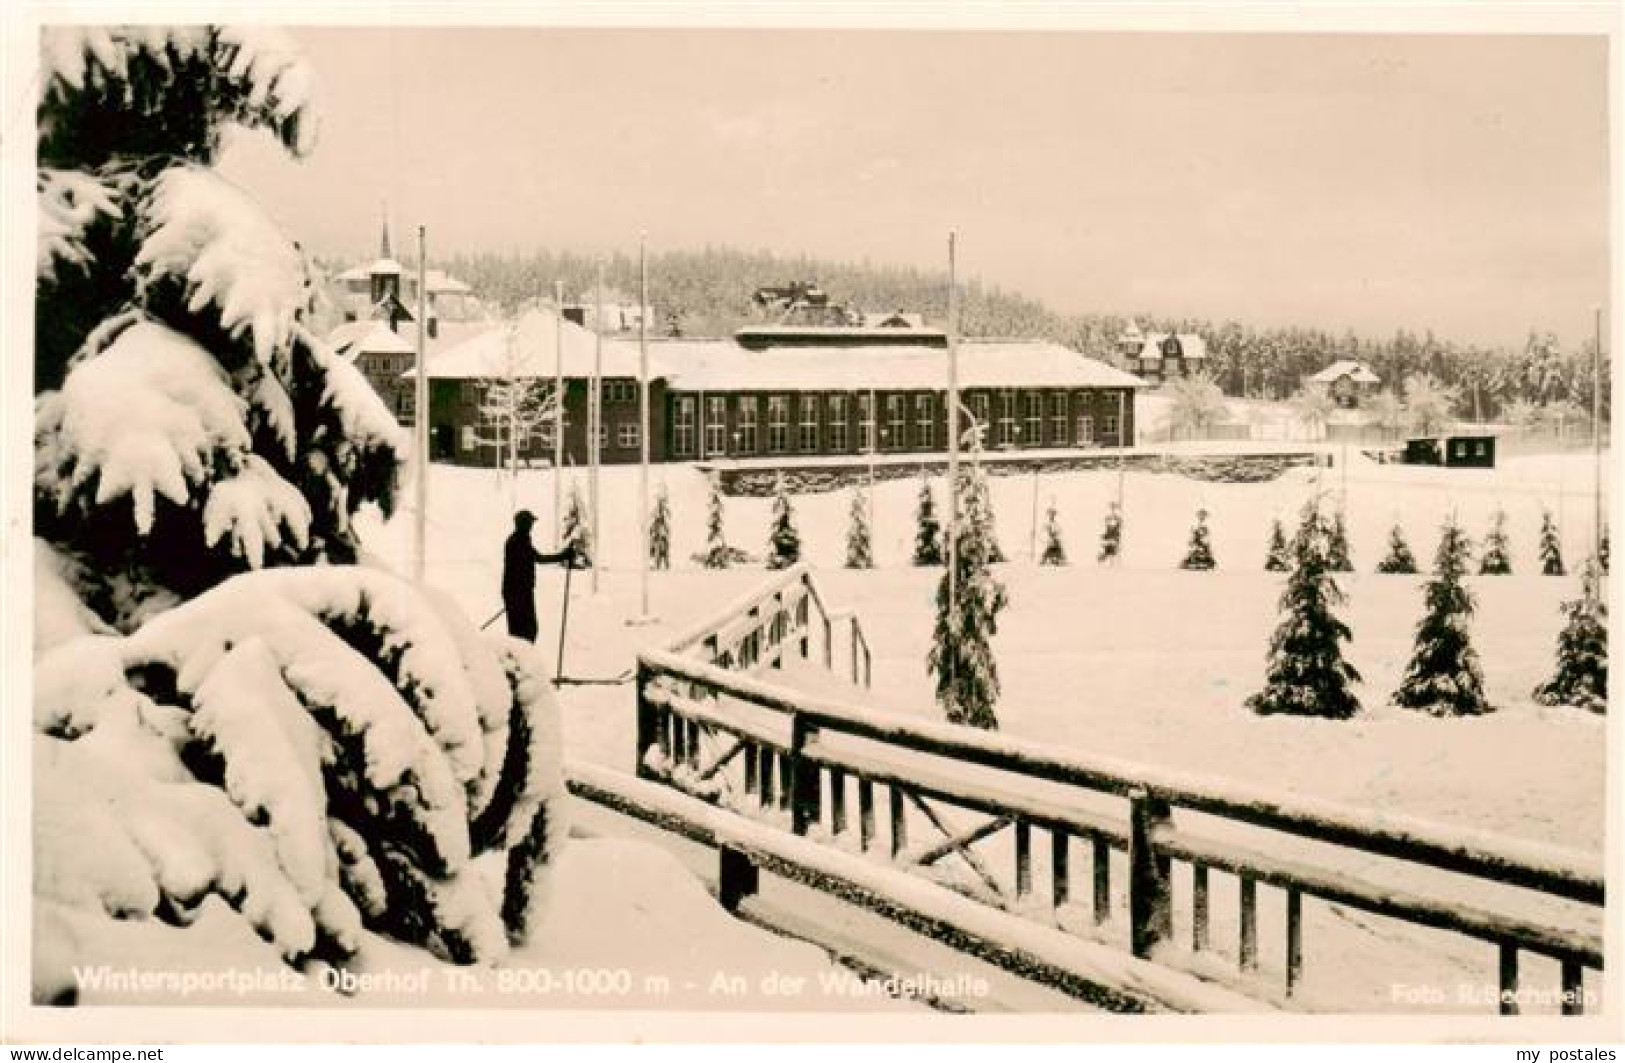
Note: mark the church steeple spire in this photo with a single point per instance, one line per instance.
(383, 244)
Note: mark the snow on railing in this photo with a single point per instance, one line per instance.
(756, 628)
(794, 748)
(1088, 971)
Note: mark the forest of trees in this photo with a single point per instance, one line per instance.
(708, 293)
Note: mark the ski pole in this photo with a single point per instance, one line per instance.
(494, 618)
(564, 617)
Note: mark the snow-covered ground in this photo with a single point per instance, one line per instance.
(1140, 661)
(628, 927)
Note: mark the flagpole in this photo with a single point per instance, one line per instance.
(420, 420)
(595, 421)
(558, 415)
(643, 426)
(953, 427)
(1596, 435)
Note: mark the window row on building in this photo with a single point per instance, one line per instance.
(751, 424)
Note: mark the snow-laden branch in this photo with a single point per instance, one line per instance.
(69, 203)
(208, 233)
(314, 745)
(148, 416)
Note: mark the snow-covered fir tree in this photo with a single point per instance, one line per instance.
(859, 549)
(227, 707)
(577, 530)
(1337, 547)
(1307, 674)
(717, 553)
(660, 530)
(983, 509)
(1443, 677)
(783, 540)
(1199, 554)
(1275, 560)
(928, 545)
(1496, 560)
(1054, 550)
(1551, 547)
(1581, 676)
(961, 656)
(1111, 536)
(1399, 559)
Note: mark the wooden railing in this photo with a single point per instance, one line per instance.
(1089, 972)
(786, 615)
(772, 752)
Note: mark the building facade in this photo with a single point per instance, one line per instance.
(777, 394)
(1157, 357)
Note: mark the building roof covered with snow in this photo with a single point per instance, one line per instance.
(1358, 372)
(723, 365)
(370, 336)
(1189, 346)
(482, 352)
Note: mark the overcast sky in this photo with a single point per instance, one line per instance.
(1448, 182)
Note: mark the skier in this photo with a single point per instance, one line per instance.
(519, 561)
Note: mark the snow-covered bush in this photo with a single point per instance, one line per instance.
(1054, 549)
(1581, 677)
(1443, 677)
(1496, 560)
(1199, 553)
(1307, 674)
(961, 656)
(1400, 560)
(324, 748)
(1111, 536)
(717, 553)
(577, 531)
(859, 548)
(660, 530)
(226, 704)
(1551, 548)
(1275, 557)
(1337, 546)
(783, 540)
(928, 546)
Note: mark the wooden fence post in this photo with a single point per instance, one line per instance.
(1060, 874)
(852, 644)
(1509, 979)
(1249, 923)
(1024, 858)
(803, 778)
(1199, 908)
(899, 822)
(1150, 887)
(866, 813)
(1102, 879)
(737, 877)
(648, 724)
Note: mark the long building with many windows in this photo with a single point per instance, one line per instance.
(778, 393)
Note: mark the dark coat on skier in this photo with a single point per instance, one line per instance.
(519, 561)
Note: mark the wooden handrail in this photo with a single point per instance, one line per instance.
(1547, 868)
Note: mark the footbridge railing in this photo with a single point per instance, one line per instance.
(862, 781)
(787, 615)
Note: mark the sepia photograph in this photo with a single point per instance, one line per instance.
(747, 526)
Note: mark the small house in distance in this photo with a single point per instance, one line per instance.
(1456, 451)
(1161, 356)
(1348, 382)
